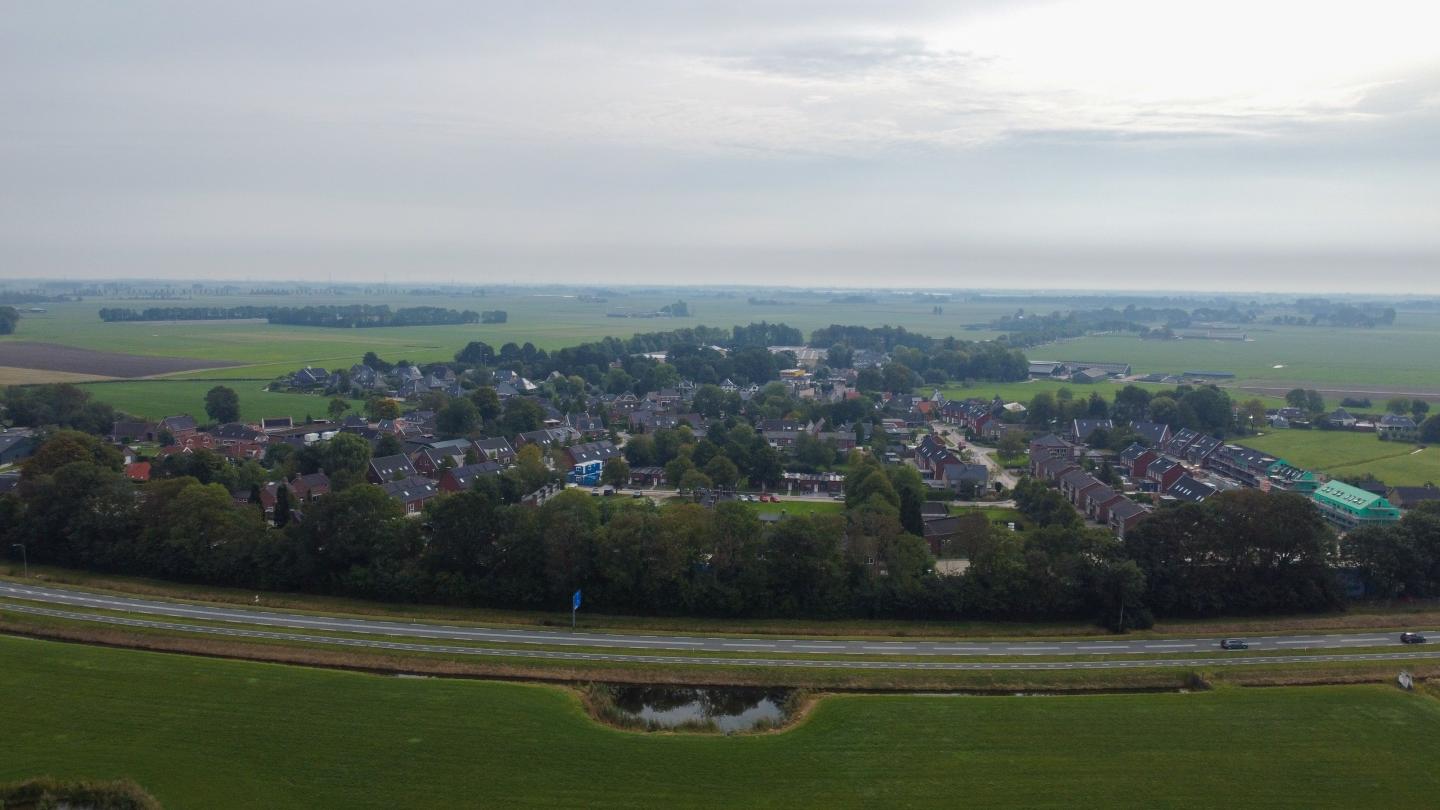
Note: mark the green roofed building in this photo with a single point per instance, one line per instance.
(1348, 507)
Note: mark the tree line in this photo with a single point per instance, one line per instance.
(9, 317)
(1239, 552)
(351, 316)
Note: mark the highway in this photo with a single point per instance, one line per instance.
(633, 646)
(642, 658)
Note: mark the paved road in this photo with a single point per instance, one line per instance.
(646, 642)
(793, 663)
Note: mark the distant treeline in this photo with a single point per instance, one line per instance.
(348, 317)
(115, 314)
(8, 318)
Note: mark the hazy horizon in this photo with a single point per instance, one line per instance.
(1283, 147)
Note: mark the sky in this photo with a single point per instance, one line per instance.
(1129, 144)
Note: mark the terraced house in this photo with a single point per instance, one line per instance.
(1347, 508)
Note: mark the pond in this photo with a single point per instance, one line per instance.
(724, 708)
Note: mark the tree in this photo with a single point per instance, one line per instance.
(378, 408)
(337, 408)
(487, 402)
(1430, 430)
(476, 353)
(1296, 398)
(521, 415)
(616, 472)
(282, 506)
(1011, 444)
(222, 404)
(1314, 402)
(459, 417)
(695, 480)
(1418, 409)
(722, 471)
(1398, 405)
(839, 356)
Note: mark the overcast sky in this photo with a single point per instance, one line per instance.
(1215, 145)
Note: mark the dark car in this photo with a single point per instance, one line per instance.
(1234, 644)
(1412, 638)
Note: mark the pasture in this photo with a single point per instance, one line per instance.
(1346, 453)
(199, 732)
(155, 399)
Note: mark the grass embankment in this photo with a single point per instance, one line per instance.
(206, 733)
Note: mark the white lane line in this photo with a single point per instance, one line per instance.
(1167, 646)
(1099, 647)
(767, 645)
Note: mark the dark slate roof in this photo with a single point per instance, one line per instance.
(467, 474)
(1084, 427)
(412, 488)
(1187, 488)
(1150, 432)
(387, 467)
(1123, 510)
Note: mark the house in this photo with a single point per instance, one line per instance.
(1124, 514)
(1411, 497)
(1098, 501)
(817, 483)
(497, 449)
(124, 431)
(385, 469)
(138, 471)
(1162, 473)
(310, 377)
(962, 477)
(309, 488)
(412, 492)
(647, 476)
(1073, 483)
(588, 426)
(1135, 458)
(1089, 375)
(1244, 464)
(234, 433)
(459, 479)
(1189, 489)
(16, 444)
(1050, 469)
(940, 530)
(1347, 507)
(1397, 428)
(432, 457)
(589, 451)
(1081, 429)
(547, 437)
(1051, 446)
(177, 426)
(1180, 441)
(932, 454)
(1286, 477)
(1152, 434)
(1340, 419)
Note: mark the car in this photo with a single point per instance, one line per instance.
(1412, 638)
(637, 494)
(1234, 644)
(767, 498)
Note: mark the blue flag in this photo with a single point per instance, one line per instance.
(575, 601)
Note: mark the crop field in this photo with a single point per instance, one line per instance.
(72, 360)
(1344, 453)
(155, 399)
(210, 733)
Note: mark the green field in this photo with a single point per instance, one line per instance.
(1343, 453)
(204, 733)
(1025, 391)
(160, 398)
(1401, 357)
(799, 508)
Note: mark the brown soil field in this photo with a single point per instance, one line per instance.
(52, 357)
(10, 375)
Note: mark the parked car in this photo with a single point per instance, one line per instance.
(637, 494)
(1234, 644)
(1412, 638)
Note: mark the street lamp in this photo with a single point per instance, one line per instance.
(24, 557)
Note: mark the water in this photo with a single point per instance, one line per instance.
(727, 708)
